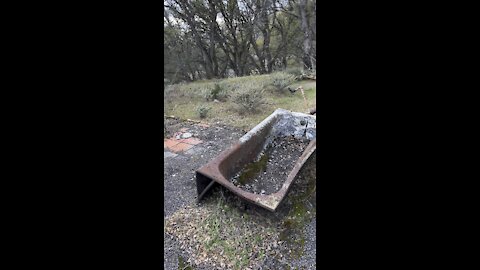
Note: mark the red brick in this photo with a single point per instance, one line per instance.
(180, 147)
(167, 143)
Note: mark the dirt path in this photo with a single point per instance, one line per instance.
(223, 232)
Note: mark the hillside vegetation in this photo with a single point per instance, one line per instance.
(242, 101)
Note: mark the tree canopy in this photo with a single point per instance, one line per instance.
(205, 39)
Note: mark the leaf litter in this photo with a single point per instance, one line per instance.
(227, 233)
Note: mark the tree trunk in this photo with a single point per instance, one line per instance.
(307, 40)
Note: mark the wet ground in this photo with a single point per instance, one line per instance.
(224, 232)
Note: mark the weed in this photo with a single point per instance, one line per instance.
(182, 265)
(295, 71)
(203, 110)
(281, 80)
(249, 98)
(169, 92)
(216, 91)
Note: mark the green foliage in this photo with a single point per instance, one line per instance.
(281, 80)
(216, 91)
(169, 92)
(183, 265)
(295, 71)
(227, 88)
(248, 98)
(276, 36)
(203, 110)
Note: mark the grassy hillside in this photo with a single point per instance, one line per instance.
(183, 100)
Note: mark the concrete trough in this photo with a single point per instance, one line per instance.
(281, 123)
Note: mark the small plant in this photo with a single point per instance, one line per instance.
(227, 89)
(170, 92)
(203, 110)
(297, 72)
(249, 98)
(215, 92)
(281, 80)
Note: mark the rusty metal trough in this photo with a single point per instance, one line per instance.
(279, 124)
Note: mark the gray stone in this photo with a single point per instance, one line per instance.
(169, 154)
(186, 135)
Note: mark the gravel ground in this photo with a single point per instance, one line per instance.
(186, 223)
(269, 172)
(172, 252)
(307, 261)
(179, 176)
(179, 171)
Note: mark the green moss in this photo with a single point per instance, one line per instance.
(253, 169)
(182, 265)
(298, 216)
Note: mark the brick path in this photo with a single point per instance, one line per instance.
(176, 144)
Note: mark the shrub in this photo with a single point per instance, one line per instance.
(295, 71)
(227, 88)
(217, 91)
(281, 80)
(249, 98)
(169, 91)
(203, 110)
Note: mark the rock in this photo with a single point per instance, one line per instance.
(169, 154)
(186, 135)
